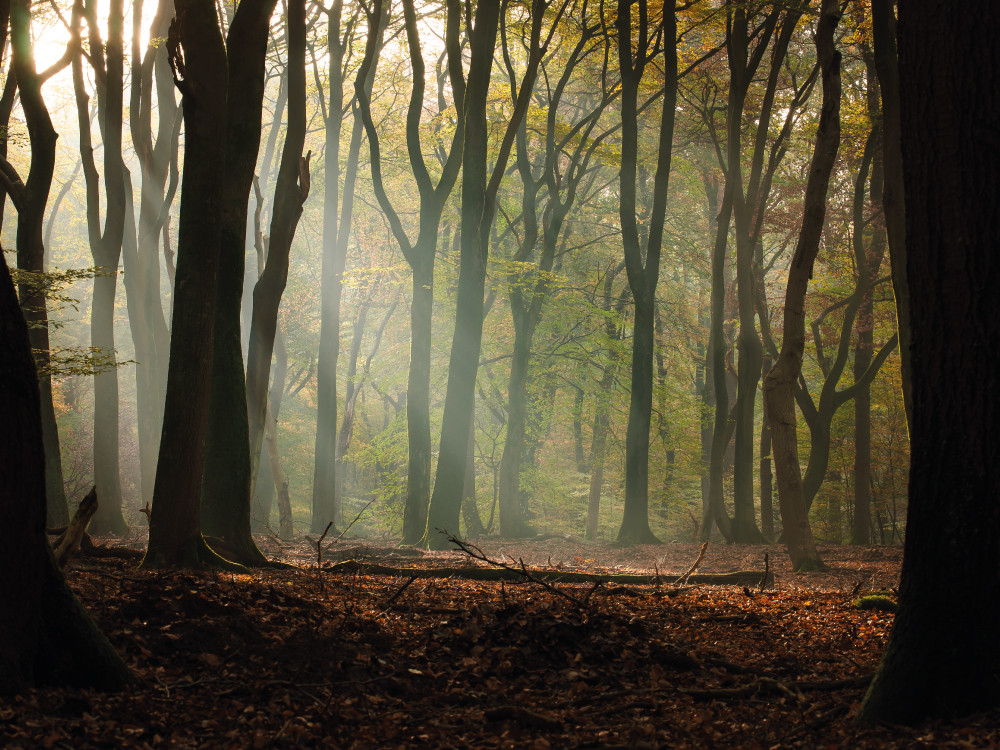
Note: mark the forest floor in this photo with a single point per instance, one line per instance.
(326, 656)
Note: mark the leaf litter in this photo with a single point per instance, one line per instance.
(309, 658)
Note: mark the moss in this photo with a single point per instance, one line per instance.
(878, 600)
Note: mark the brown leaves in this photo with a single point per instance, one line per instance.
(304, 659)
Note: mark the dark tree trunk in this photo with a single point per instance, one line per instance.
(290, 194)
(643, 269)
(942, 655)
(175, 531)
(578, 451)
(48, 638)
(226, 481)
(893, 193)
(30, 203)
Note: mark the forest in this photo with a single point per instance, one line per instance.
(501, 373)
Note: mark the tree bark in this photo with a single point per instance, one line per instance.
(290, 194)
(225, 490)
(47, 636)
(174, 531)
(947, 66)
(643, 269)
(779, 384)
(30, 204)
(479, 191)
(106, 245)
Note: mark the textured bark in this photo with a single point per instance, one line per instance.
(942, 655)
(225, 489)
(779, 384)
(174, 530)
(642, 268)
(46, 637)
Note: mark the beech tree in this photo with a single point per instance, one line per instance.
(642, 265)
(940, 661)
(46, 637)
(779, 384)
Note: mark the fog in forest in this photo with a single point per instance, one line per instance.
(374, 396)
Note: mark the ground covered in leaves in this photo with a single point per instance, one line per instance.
(317, 656)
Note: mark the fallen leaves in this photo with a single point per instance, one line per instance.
(306, 659)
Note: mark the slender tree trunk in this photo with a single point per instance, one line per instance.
(945, 631)
(290, 194)
(105, 246)
(893, 193)
(479, 190)
(30, 206)
(643, 272)
(779, 384)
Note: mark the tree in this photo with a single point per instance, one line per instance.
(46, 637)
(336, 234)
(106, 245)
(290, 194)
(479, 191)
(947, 59)
(30, 198)
(643, 268)
(779, 384)
(226, 479)
(419, 253)
(198, 60)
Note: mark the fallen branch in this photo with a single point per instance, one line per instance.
(770, 685)
(477, 554)
(69, 541)
(319, 545)
(509, 573)
(693, 568)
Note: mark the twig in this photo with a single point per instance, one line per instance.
(399, 591)
(319, 545)
(767, 567)
(477, 554)
(694, 567)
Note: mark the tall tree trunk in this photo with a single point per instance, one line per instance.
(479, 190)
(779, 384)
(141, 245)
(30, 201)
(893, 193)
(225, 490)
(49, 639)
(945, 631)
(643, 269)
(106, 245)
(420, 253)
(290, 194)
(175, 531)
(336, 234)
